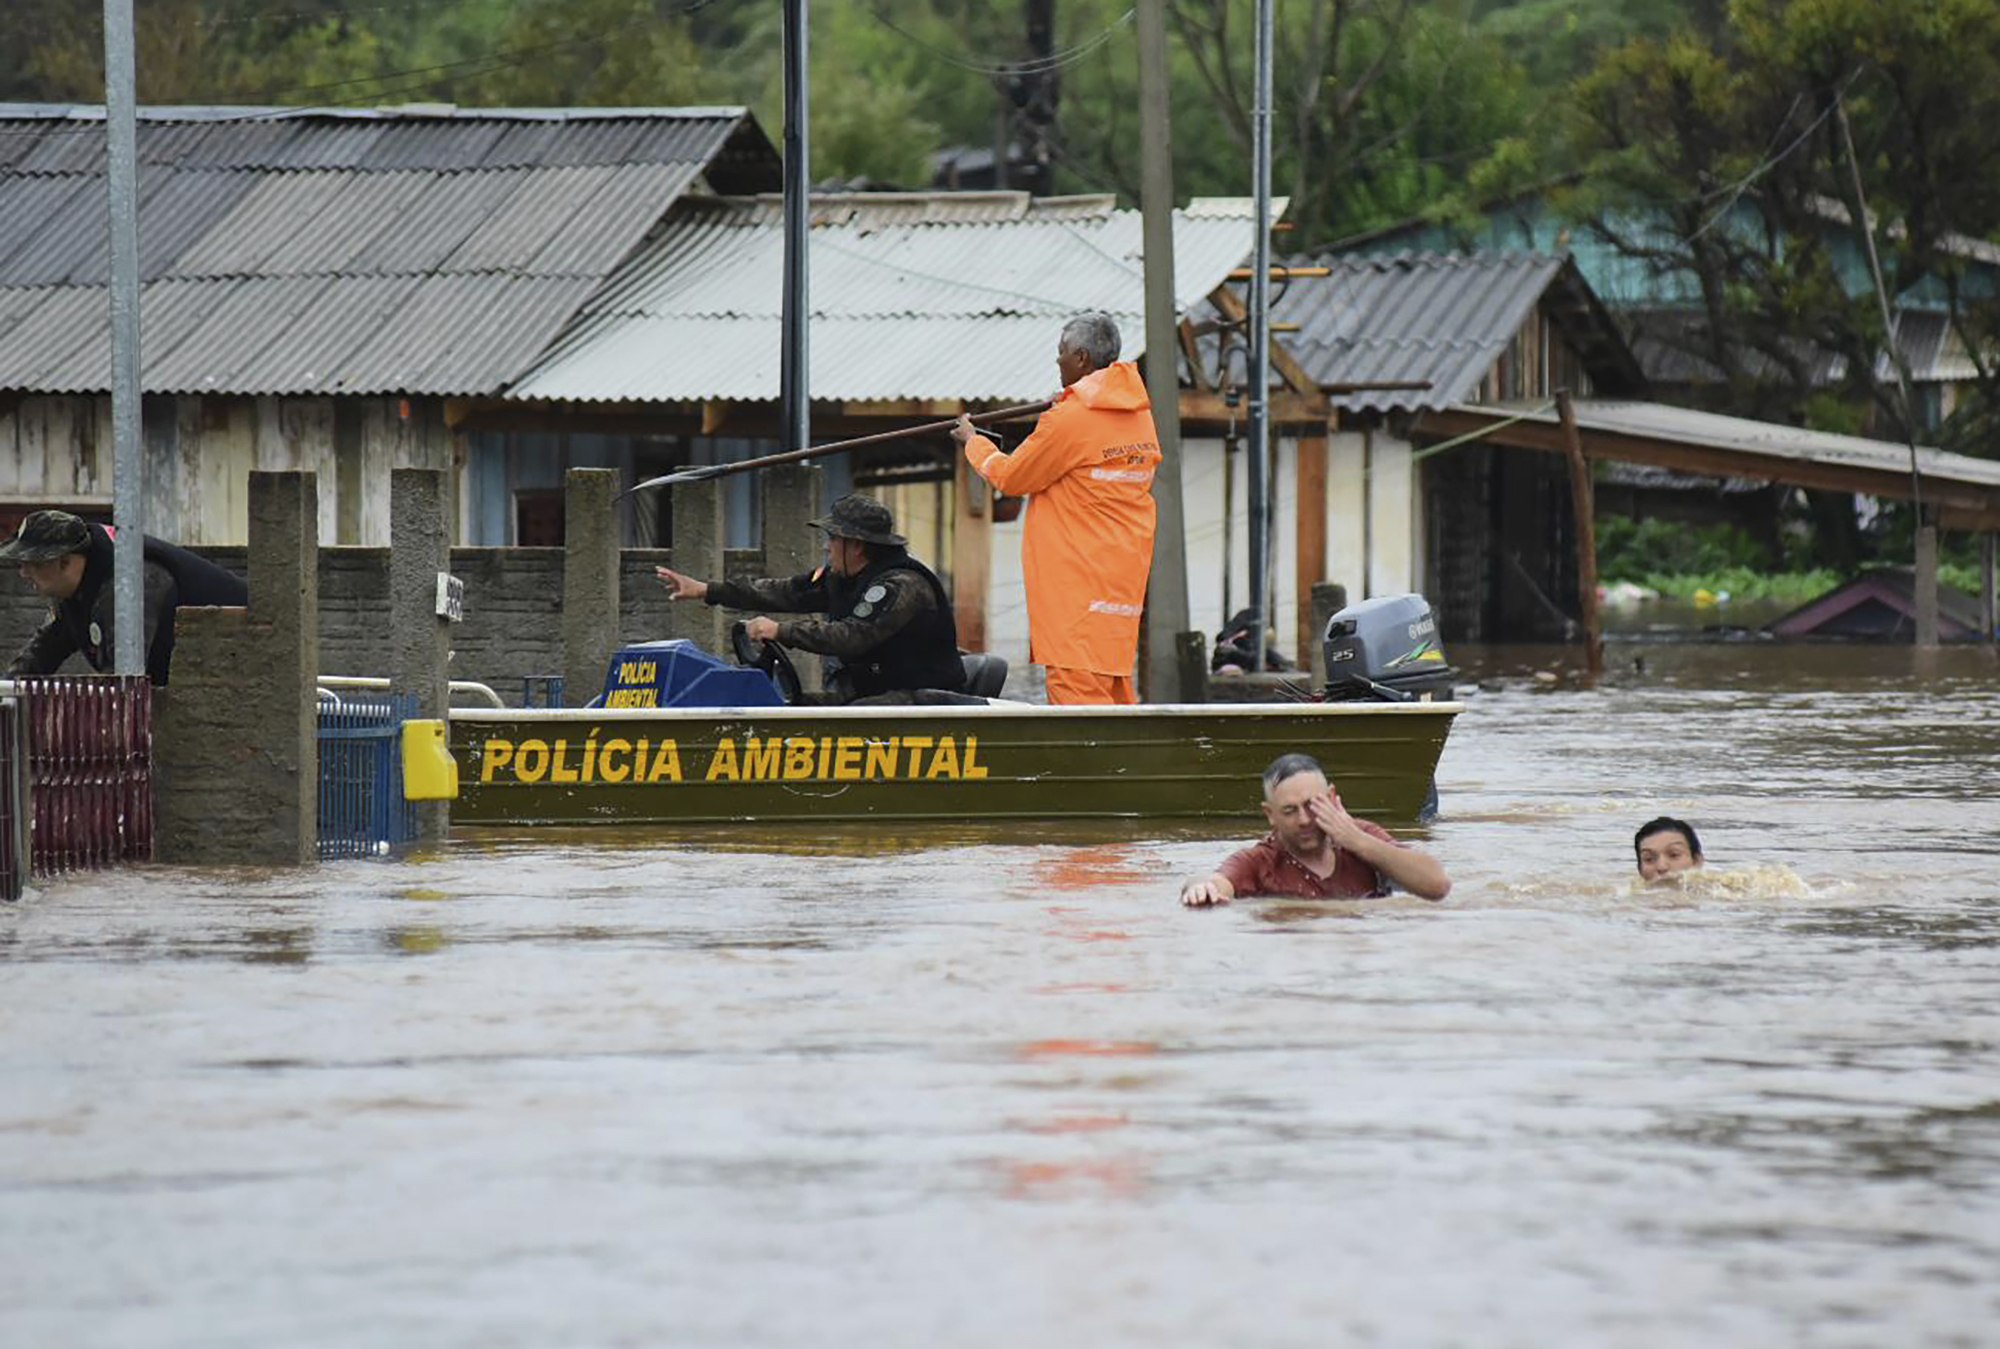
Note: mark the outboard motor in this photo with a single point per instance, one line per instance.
(1387, 649)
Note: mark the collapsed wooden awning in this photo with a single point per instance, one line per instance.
(1965, 491)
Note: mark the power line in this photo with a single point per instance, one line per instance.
(469, 67)
(1039, 66)
(274, 16)
(1771, 162)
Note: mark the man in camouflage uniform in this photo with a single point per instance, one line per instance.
(888, 623)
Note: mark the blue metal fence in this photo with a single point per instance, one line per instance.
(362, 812)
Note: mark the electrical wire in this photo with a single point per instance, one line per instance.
(470, 67)
(1772, 161)
(1041, 65)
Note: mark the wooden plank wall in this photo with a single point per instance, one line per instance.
(56, 450)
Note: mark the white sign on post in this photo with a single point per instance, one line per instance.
(451, 597)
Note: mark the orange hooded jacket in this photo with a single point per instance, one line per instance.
(1088, 544)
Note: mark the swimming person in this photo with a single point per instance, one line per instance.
(1315, 849)
(1666, 847)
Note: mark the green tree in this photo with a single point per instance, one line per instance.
(1724, 167)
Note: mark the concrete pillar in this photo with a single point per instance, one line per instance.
(792, 496)
(1328, 599)
(419, 640)
(1989, 592)
(697, 551)
(1927, 585)
(1191, 660)
(236, 737)
(591, 532)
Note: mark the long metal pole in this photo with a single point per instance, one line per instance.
(1166, 589)
(121, 136)
(1260, 343)
(1925, 537)
(795, 396)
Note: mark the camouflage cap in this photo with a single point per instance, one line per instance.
(855, 516)
(45, 536)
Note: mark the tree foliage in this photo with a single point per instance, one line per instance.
(1701, 138)
(1726, 168)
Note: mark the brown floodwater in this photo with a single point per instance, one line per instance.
(985, 1085)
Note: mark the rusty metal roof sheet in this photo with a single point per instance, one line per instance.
(426, 249)
(913, 296)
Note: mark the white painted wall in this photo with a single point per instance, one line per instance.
(1391, 513)
(1347, 511)
(1007, 596)
(1373, 528)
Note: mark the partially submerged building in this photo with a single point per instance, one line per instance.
(319, 287)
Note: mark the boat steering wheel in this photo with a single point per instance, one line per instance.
(768, 657)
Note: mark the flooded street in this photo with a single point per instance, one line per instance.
(971, 1087)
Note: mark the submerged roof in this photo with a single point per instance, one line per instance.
(913, 295)
(1442, 318)
(1881, 605)
(426, 249)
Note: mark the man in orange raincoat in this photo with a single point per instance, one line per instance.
(1087, 472)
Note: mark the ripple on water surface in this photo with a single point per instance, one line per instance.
(965, 1085)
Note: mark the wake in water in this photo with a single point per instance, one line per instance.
(1767, 881)
(1764, 882)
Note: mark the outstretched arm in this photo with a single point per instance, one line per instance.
(1201, 891)
(1041, 459)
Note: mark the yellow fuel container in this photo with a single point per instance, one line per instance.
(429, 771)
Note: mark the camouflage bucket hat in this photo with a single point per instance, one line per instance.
(45, 536)
(855, 516)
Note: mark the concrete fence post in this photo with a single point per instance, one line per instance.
(420, 641)
(1328, 599)
(592, 529)
(697, 552)
(792, 496)
(236, 737)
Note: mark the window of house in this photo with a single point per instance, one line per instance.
(538, 517)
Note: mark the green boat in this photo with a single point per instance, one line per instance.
(1013, 761)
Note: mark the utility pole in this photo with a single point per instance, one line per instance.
(795, 374)
(1035, 93)
(121, 135)
(1260, 344)
(1166, 592)
(1924, 561)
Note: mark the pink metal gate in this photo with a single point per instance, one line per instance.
(90, 770)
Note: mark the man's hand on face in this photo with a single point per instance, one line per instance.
(682, 587)
(761, 629)
(964, 430)
(1335, 822)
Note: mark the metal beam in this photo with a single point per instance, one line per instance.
(1967, 503)
(1167, 588)
(795, 394)
(121, 134)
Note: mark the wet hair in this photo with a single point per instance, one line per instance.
(1095, 335)
(1667, 824)
(1289, 766)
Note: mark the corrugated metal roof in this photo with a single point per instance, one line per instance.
(1441, 318)
(1658, 421)
(964, 300)
(26, 207)
(290, 250)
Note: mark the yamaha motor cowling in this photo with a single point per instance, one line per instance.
(1386, 649)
